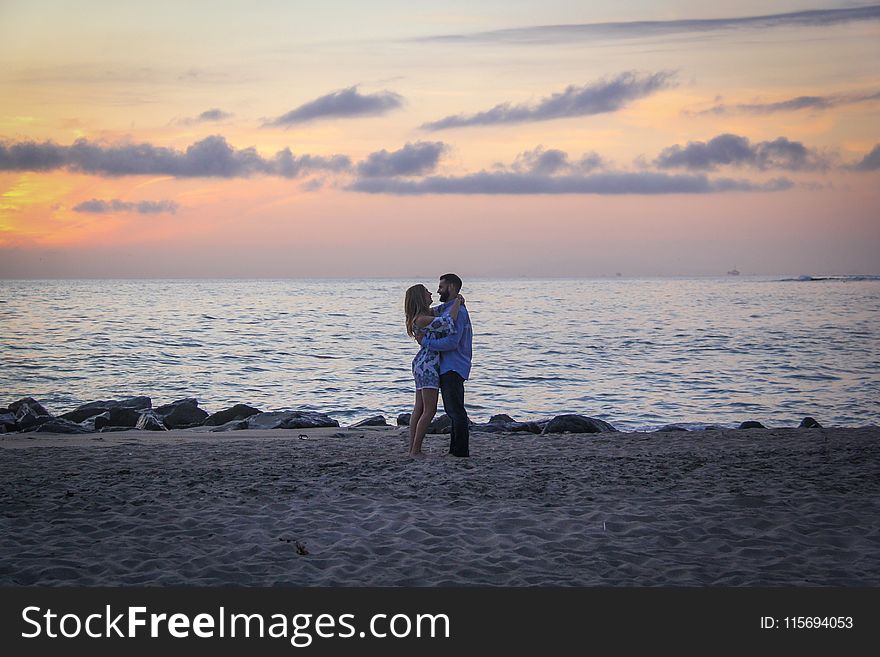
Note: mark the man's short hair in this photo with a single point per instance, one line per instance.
(452, 278)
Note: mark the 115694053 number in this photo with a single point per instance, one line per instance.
(818, 622)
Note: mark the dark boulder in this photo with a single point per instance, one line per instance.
(182, 414)
(123, 418)
(8, 423)
(141, 403)
(86, 411)
(90, 423)
(232, 425)
(576, 424)
(751, 424)
(290, 420)
(670, 427)
(506, 424)
(237, 412)
(509, 427)
(91, 409)
(403, 419)
(443, 424)
(150, 421)
(29, 413)
(31, 403)
(59, 425)
(809, 423)
(375, 421)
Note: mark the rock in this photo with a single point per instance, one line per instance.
(91, 409)
(290, 420)
(90, 423)
(29, 413)
(233, 425)
(403, 419)
(809, 423)
(86, 411)
(375, 421)
(123, 418)
(7, 422)
(576, 424)
(30, 402)
(237, 412)
(443, 424)
(150, 421)
(670, 427)
(751, 424)
(182, 414)
(508, 427)
(136, 403)
(59, 425)
(501, 418)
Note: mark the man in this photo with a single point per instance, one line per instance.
(455, 364)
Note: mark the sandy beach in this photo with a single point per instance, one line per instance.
(345, 507)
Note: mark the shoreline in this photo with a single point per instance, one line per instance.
(741, 508)
(27, 415)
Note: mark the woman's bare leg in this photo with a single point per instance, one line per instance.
(429, 409)
(414, 418)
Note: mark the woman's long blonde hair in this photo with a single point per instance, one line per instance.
(414, 305)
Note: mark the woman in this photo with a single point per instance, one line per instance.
(421, 322)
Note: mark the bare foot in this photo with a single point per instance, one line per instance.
(417, 455)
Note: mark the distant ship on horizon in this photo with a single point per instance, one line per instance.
(733, 272)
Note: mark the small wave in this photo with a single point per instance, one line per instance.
(806, 278)
(813, 377)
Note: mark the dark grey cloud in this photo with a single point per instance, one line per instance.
(733, 150)
(555, 34)
(97, 206)
(31, 156)
(210, 157)
(871, 161)
(596, 98)
(340, 104)
(792, 104)
(646, 183)
(208, 116)
(549, 161)
(542, 161)
(411, 160)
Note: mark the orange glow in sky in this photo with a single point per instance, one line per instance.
(157, 135)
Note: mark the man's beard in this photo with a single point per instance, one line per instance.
(444, 297)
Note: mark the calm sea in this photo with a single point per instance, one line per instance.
(638, 353)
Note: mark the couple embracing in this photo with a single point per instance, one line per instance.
(443, 363)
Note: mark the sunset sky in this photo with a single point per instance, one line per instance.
(392, 138)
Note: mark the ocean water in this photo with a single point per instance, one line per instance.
(638, 353)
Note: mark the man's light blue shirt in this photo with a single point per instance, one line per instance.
(456, 349)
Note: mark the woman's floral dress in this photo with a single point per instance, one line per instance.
(426, 364)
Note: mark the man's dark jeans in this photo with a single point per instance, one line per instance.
(452, 388)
